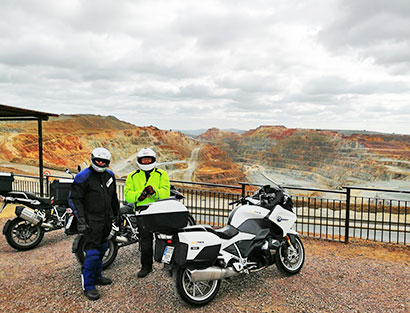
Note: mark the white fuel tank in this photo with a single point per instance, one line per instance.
(246, 212)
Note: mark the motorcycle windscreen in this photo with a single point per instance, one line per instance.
(164, 216)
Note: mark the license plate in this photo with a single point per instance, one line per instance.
(166, 257)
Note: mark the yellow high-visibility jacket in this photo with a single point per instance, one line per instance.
(136, 182)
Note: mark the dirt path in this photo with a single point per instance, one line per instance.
(359, 277)
(192, 165)
(126, 166)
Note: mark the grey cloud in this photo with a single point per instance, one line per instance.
(377, 29)
(195, 91)
(250, 82)
(216, 30)
(215, 60)
(336, 85)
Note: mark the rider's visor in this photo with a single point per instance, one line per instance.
(147, 160)
(101, 162)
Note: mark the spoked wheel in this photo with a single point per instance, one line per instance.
(109, 255)
(22, 235)
(195, 293)
(290, 259)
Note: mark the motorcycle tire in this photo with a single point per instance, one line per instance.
(22, 235)
(290, 260)
(109, 255)
(187, 289)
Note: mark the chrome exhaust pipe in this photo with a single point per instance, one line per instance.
(47, 225)
(121, 239)
(212, 273)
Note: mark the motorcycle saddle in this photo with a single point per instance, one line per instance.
(226, 232)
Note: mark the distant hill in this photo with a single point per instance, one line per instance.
(69, 139)
(198, 132)
(318, 158)
(322, 157)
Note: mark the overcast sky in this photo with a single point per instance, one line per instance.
(199, 64)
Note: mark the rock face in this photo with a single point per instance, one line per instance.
(323, 158)
(69, 139)
(329, 158)
(215, 166)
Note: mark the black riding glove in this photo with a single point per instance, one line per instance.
(82, 225)
(143, 195)
(150, 190)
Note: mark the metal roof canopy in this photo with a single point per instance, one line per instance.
(8, 113)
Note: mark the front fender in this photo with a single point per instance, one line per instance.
(292, 237)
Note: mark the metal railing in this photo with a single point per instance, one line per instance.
(337, 215)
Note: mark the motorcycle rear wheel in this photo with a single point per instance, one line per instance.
(195, 293)
(289, 260)
(109, 255)
(22, 235)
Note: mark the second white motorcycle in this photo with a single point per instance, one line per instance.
(259, 233)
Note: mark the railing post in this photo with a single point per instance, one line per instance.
(40, 156)
(347, 219)
(48, 185)
(243, 192)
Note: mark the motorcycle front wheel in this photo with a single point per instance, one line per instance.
(289, 260)
(195, 293)
(22, 235)
(109, 255)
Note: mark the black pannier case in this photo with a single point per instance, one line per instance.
(6, 180)
(59, 191)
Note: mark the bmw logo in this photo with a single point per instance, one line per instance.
(279, 219)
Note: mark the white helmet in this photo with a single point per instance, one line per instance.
(100, 159)
(146, 159)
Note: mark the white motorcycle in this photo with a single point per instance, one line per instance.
(258, 234)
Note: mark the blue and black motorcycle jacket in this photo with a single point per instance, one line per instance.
(93, 196)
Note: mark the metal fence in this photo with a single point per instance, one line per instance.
(354, 212)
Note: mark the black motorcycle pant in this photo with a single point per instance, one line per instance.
(95, 248)
(146, 245)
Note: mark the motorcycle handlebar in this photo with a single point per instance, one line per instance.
(235, 202)
(7, 199)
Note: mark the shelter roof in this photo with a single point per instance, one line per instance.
(12, 113)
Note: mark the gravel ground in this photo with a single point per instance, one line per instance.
(359, 277)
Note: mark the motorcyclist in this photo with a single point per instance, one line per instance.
(94, 200)
(143, 186)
